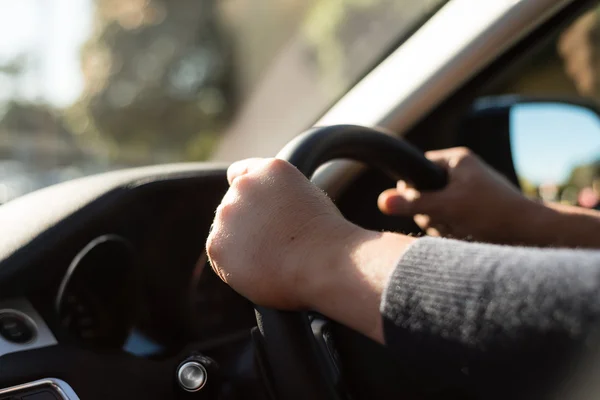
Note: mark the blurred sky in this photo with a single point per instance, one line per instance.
(548, 140)
(51, 31)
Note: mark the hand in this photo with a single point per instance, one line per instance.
(272, 233)
(478, 203)
(279, 241)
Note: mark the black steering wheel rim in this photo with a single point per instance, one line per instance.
(298, 370)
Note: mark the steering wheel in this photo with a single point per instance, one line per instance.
(299, 369)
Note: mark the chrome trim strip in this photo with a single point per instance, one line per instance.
(65, 391)
(43, 336)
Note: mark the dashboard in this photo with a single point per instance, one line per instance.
(144, 284)
(108, 274)
(100, 303)
(125, 273)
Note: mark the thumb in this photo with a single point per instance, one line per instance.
(404, 201)
(243, 167)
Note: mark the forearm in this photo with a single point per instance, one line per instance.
(516, 319)
(557, 225)
(351, 281)
(504, 314)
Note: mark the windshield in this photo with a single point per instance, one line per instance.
(89, 86)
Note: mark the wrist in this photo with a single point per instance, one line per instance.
(524, 223)
(563, 225)
(351, 281)
(548, 224)
(324, 260)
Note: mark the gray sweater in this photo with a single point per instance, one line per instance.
(497, 321)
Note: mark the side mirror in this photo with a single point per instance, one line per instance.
(548, 148)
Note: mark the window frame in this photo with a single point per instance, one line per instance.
(424, 110)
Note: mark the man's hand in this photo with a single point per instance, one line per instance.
(272, 231)
(279, 241)
(478, 203)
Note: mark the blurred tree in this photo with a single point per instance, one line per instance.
(528, 188)
(29, 119)
(11, 76)
(37, 136)
(157, 76)
(345, 35)
(584, 175)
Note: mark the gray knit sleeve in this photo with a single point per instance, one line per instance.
(492, 311)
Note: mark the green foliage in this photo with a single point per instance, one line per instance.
(328, 28)
(527, 187)
(158, 76)
(584, 175)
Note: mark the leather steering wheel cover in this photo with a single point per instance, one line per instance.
(289, 345)
(293, 357)
(392, 156)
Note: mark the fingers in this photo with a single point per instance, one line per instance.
(243, 167)
(424, 222)
(439, 157)
(405, 201)
(448, 158)
(393, 202)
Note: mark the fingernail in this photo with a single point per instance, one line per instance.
(396, 204)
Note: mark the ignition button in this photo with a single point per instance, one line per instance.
(191, 376)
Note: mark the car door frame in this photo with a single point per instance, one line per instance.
(423, 100)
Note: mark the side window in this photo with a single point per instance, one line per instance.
(568, 66)
(556, 144)
(90, 86)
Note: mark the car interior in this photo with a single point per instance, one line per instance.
(106, 291)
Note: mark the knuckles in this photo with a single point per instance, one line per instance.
(272, 174)
(463, 152)
(276, 165)
(245, 190)
(243, 183)
(214, 248)
(465, 158)
(276, 169)
(226, 211)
